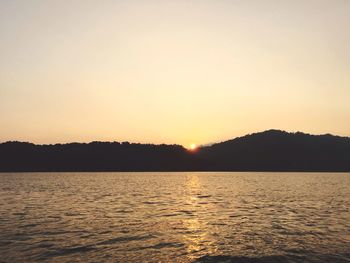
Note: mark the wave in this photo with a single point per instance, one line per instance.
(311, 258)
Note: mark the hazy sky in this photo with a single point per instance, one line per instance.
(172, 71)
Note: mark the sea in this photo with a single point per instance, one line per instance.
(175, 217)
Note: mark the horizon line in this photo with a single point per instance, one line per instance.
(176, 144)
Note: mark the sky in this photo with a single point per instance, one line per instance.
(184, 71)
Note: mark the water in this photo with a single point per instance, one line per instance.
(177, 217)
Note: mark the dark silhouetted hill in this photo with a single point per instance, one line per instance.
(94, 156)
(271, 150)
(276, 150)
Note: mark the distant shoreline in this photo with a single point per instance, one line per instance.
(70, 172)
(268, 151)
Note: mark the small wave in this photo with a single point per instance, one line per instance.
(162, 245)
(28, 226)
(203, 196)
(170, 215)
(233, 216)
(19, 214)
(187, 212)
(124, 239)
(66, 251)
(55, 232)
(238, 259)
(45, 245)
(5, 243)
(166, 245)
(314, 258)
(218, 224)
(72, 214)
(125, 211)
(151, 202)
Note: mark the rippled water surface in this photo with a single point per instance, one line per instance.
(176, 217)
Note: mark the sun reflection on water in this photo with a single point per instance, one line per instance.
(196, 238)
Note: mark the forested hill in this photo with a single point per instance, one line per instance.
(271, 150)
(94, 156)
(276, 150)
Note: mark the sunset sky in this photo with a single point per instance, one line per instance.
(190, 71)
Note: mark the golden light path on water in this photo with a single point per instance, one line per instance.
(195, 239)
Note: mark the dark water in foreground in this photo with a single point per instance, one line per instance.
(176, 217)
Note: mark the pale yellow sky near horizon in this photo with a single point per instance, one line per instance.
(172, 71)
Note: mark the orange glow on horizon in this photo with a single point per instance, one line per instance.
(193, 147)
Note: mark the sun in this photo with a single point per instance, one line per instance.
(193, 147)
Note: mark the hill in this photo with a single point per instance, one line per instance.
(276, 150)
(271, 150)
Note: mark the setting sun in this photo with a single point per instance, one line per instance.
(193, 147)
